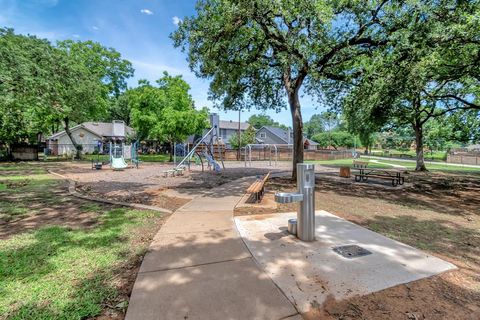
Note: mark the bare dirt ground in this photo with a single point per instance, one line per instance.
(436, 212)
(148, 185)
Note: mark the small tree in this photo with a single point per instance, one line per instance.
(247, 137)
(260, 120)
(166, 113)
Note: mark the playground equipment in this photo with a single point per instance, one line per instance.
(304, 226)
(264, 148)
(117, 160)
(204, 148)
(96, 163)
(134, 159)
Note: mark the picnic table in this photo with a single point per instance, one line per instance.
(388, 174)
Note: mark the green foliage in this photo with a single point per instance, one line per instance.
(165, 113)
(336, 139)
(260, 120)
(247, 137)
(262, 53)
(106, 64)
(120, 109)
(314, 126)
(25, 84)
(426, 71)
(43, 85)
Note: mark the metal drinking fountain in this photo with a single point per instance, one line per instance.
(305, 196)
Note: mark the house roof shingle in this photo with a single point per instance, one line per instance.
(102, 129)
(233, 125)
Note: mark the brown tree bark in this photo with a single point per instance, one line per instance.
(418, 128)
(171, 151)
(294, 104)
(66, 123)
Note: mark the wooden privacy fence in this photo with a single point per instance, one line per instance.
(285, 154)
(464, 158)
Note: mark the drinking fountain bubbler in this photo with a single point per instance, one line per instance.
(305, 196)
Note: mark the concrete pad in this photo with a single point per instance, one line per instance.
(227, 290)
(183, 222)
(169, 251)
(212, 204)
(309, 272)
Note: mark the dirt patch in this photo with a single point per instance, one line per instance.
(438, 213)
(32, 209)
(147, 185)
(440, 297)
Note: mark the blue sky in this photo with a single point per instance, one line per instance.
(138, 29)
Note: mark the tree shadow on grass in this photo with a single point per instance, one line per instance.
(455, 198)
(53, 252)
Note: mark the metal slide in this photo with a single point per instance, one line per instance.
(212, 162)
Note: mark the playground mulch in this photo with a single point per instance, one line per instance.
(438, 213)
(148, 185)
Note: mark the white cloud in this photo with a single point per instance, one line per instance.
(147, 12)
(76, 35)
(95, 28)
(176, 20)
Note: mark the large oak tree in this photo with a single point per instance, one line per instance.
(265, 53)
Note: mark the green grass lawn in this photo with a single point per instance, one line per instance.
(142, 157)
(435, 155)
(384, 164)
(60, 271)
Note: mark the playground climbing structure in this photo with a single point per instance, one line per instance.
(204, 148)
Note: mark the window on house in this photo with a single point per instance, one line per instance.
(223, 133)
(263, 135)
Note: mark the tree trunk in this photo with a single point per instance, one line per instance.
(294, 103)
(66, 123)
(171, 151)
(418, 128)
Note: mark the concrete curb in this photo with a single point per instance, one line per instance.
(73, 192)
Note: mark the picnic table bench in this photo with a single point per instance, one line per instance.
(388, 174)
(257, 189)
(357, 164)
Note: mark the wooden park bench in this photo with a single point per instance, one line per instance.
(394, 175)
(257, 189)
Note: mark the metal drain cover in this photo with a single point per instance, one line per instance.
(351, 251)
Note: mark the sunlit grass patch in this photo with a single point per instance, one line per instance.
(57, 272)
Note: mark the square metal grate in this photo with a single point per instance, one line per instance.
(351, 251)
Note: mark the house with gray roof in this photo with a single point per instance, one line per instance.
(91, 135)
(275, 135)
(227, 129)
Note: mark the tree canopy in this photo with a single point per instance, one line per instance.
(43, 85)
(165, 112)
(262, 53)
(429, 70)
(260, 120)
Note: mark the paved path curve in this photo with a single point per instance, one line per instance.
(198, 267)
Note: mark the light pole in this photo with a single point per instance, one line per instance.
(239, 136)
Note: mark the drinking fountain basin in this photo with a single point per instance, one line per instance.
(287, 197)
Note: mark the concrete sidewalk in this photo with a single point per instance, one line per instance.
(198, 267)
